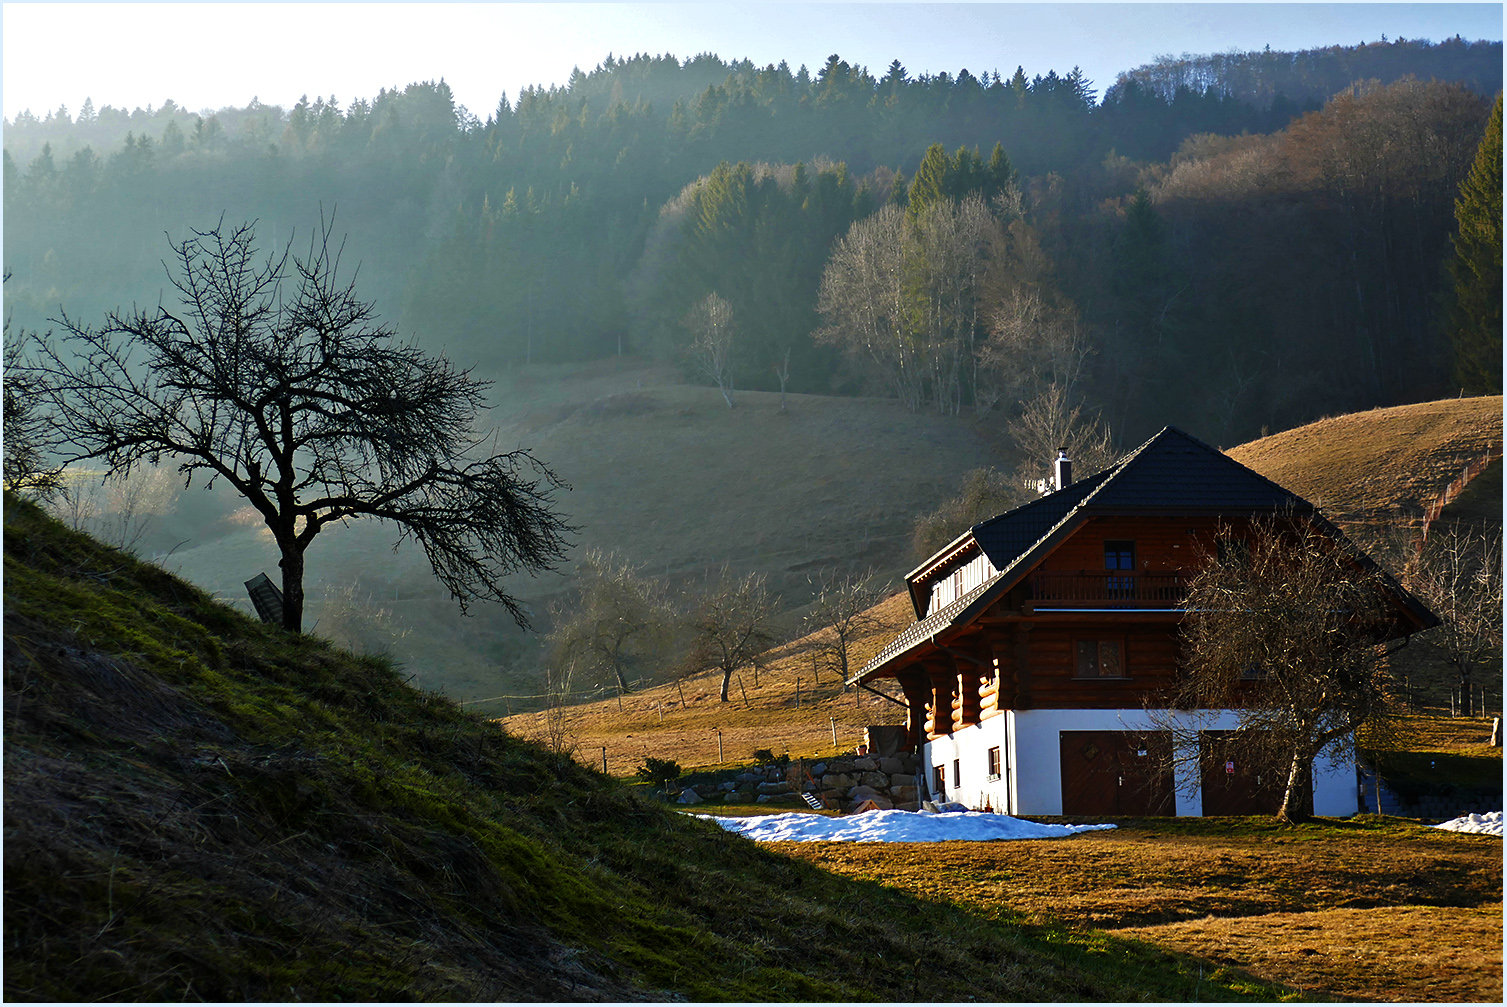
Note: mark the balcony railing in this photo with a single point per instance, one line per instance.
(1107, 589)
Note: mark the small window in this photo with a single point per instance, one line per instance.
(1101, 659)
(939, 779)
(957, 772)
(994, 764)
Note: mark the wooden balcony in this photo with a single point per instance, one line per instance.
(1101, 589)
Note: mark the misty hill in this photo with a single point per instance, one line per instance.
(201, 807)
(662, 472)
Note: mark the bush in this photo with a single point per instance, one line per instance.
(660, 772)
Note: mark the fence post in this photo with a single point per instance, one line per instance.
(604, 760)
(719, 745)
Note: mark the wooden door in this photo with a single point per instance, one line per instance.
(1116, 773)
(1237, 779)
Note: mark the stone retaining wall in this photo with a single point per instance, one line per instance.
(842, 782)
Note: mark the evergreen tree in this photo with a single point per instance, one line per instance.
(1475, 318)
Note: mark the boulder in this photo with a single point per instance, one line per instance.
(902, 780)
(904, 795)
(890, 765)
(860, 794)
(876, 780)
(780, 787)
(838, 781)
(689, 796)
(818, 769)
(908, 806)
(910, 762)
(865, 764)
(728, 787)
(840, 766)
(831, 798)
(748, 778)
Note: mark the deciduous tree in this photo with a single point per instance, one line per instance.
(841, 615)
(711, 350)
(1285, 626)
(731, 624)
(272, 374)
(618, 624)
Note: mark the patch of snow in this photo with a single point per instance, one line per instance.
(894, 827)
(1489, 824)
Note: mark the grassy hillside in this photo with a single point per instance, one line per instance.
(1384, 465)
(201, 807)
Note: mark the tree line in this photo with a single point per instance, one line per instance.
(1219, 262)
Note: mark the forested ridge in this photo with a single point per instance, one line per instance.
(1227, 242)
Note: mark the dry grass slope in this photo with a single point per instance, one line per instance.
(1383, 465)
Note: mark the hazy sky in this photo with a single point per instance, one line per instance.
(212, 55)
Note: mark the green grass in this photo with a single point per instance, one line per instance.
(200, 806)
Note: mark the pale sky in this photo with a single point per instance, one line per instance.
(213, 55)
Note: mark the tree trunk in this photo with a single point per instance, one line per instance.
(727, 678)
(292, 566)
(622, 681)
(1294, 807)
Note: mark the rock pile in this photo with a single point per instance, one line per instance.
(842, 782)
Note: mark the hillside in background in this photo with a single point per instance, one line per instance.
(663, 473)
(198, 806)
(1370, 471)
(1384, 467)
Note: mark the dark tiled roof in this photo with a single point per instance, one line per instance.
(1006, 537)
(1174, 471)
(1170, 472)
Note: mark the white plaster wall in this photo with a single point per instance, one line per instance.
(1031, 779)
(971, 747)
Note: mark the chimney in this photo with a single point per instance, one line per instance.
(1062, 471)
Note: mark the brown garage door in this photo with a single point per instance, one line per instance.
(1239, 779)
(1116, 773)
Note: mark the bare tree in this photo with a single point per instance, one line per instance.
(618, 624)
(555, 733)
(25, 425)
(1458, 573)
(1285, 627)
(841, 615)
(947, 256)
(1036, 341)
(730, 624)
(782, 374)
(352, 617)
(120, 510)
(863, 300)
(1052, 420)
(711, 350)
(274, 376)
(905, 297)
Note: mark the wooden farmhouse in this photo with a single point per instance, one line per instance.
(1040, 633)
